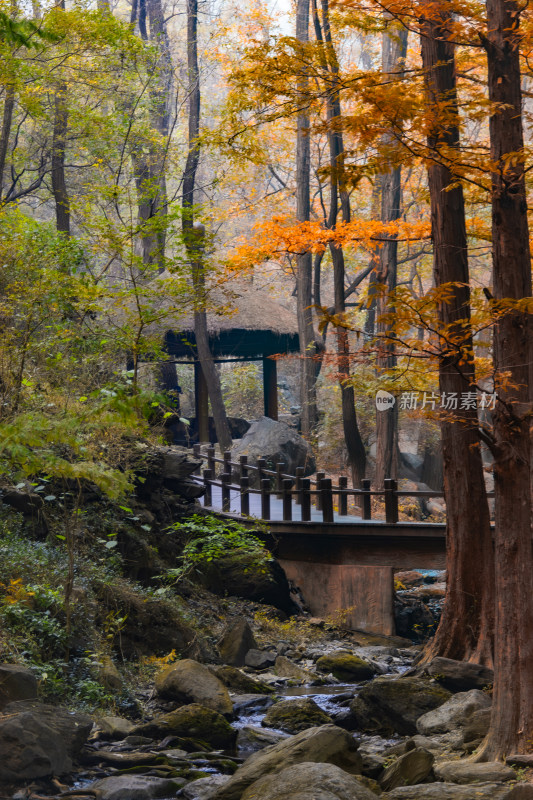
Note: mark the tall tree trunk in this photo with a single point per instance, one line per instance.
(393, 60)
(193, 235)
(304, 265)
(466, 626)
(512, 710)
(59, 184)
(7, 119)
(338, 192)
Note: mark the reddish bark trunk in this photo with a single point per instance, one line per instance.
(512, 711)
(466, 628)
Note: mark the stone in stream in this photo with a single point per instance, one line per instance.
(39, 740)
(454, 713)
(246, 703)
(393, 705)
(346, 667)
(235, 642)
(115, 727)
(326, 744)
(460, 676)
(306, 781)
(204, 788)
(187, 681)
(467, 772)
(295, 715)
(251, 738)
(135, 787)
(238, 682)
(16, 683)
(411, 768)
(194, 724)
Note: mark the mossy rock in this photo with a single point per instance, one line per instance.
(239, 683)
(194, 724)
(346, 667)
(294, 716)
(393, 705)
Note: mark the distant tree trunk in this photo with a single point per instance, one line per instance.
(393, 59)
(304, 265)
(512, 710)
(7, 119)
(466, 628)
(193, 235)
(59, 184)
(352, 437)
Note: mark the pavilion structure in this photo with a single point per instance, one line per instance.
(256, 328)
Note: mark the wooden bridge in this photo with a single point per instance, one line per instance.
(340, 561)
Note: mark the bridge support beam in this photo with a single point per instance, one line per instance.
(362, 596)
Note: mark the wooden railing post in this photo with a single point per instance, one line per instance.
(391, 501)
(306, 499)
(298, 485)
(261, 467)
(226, 466)
(326, 498)
(343, 497)
(211, 459)
(245, 496)
(243, 467)
(208, 496)
(265, 498)
(367, 499)
(319, 478)
(225, 480)
(287, 499)
(279, 479)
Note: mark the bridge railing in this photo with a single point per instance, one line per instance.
(293, 489)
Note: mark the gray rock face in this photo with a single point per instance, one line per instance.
(454, 713)
(449, 791)
(466, 772)
(308, 780)
(250, 739)
(460, 676)
(204, 788)
(278, 444)
(236, 640)
(260, 659)
(135, 787)
(411, 768)
(327, 744)
(16, 683)
(393, 705)
(295, 715)
(193, 723)
(38, 740)
(115, 727)
(286, 668)
(477, 726)
(187, 681)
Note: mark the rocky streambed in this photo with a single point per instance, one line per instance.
(335, 721)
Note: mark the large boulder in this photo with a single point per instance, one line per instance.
(393, 705)
(38, 740)
(450, 791)
(239, 682)
(204, 788)
(286, 668)
(327, 744)
(411, 768)
(460, 676)
(306, 781)
(135, 787)
(295, 715)
(235, 642)
(187, 681)
(454, 713)
(346, 667)
(196, 725)
(277, 443)
(16, 683)
(468, 772)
